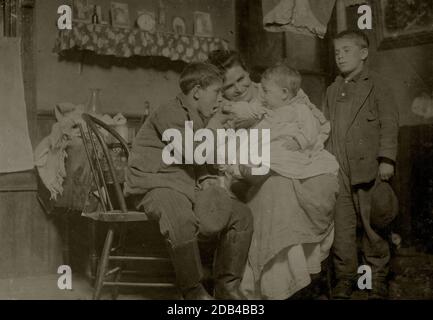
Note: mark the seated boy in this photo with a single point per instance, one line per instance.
(168, 192)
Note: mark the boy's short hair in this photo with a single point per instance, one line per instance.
(284, 76)
(226, 59)
(198, 74)
(359, 37)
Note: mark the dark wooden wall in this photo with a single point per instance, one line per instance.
(30, 241)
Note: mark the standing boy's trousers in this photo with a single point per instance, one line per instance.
(376, 253)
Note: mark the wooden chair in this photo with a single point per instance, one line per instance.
(113, 211)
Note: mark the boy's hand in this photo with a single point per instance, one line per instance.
(386, 171)
(245, 171)
(225, 168)
(207, 183)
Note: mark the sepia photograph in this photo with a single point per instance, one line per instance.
(250, 150)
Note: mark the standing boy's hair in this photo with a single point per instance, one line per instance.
(359, 37)
(226, 59)
(198, 74)
(284, 76)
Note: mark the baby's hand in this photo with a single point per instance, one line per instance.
(291, 145)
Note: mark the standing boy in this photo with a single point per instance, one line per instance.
(168, 193)
(364, 125)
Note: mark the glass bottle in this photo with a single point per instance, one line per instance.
(95, 18)
(162, 18)
(146, 111)
(94, 104)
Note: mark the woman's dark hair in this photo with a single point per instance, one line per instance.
(226, 59)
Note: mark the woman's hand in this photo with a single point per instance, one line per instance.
(219, 121)
(244, 110)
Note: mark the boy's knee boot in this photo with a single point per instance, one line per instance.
(380, 288)
(343, 289)
(232, 254)
(189, 273)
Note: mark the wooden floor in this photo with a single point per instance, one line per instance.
(412, 280)
(45, 288)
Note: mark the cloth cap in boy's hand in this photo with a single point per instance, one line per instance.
(384, 205)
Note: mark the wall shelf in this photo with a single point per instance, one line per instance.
(125, 43)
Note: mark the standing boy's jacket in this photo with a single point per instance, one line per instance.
(372, 130)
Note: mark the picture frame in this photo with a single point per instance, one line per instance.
(395, 29)
(120, 15)
(179, 25)
(81, 11)
(2, 32)
(203, 24)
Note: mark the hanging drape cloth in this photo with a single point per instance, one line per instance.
(16, 152)
(308, 17)
(349, 3)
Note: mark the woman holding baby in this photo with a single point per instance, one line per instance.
(292, 205)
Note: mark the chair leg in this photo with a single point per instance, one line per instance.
(121, 246)
(102, 268)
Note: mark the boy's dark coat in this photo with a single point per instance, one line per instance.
(373, 132)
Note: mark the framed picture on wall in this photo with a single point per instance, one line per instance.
(403, 23)
(120, 15)
(81, 11)
(203, 24)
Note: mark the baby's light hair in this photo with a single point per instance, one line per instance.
(284, 76)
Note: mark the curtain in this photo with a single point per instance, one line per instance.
(308, 17)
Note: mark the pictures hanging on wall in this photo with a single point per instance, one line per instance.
(120, 15)
(81, 11)
(202, 24)
(403, 23)
(179, 25)
(146, 20)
